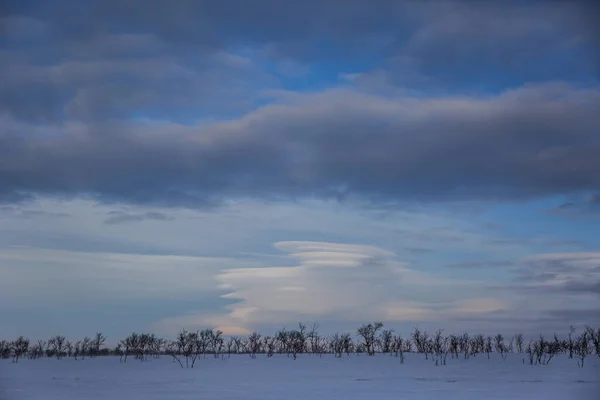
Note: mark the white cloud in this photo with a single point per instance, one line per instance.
(365, 283)
(237, 253)
(41, 277)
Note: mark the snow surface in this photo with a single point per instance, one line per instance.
(309, 377)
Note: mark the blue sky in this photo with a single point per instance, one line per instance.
(246, 165)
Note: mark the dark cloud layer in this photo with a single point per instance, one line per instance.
(529, 142)
(77, 73)
(572, 273)
(101, 59)
(120, 217)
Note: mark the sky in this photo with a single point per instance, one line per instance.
(245, 165)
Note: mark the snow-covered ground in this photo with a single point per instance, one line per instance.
(308, 377)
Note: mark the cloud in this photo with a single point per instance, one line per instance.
(84, 91)
(482, 264)
(101, 278)
(582, 317)
(575, 273)
(385, 105)
(114, 59)
(118, 59)
(99, 89)
(419, 250)
(465, 45)
(522, 143)
(579, 206)
(120, 217)
(336, 282)
(207, 26)
(19, 212)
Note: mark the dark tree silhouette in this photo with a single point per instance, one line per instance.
(519, 342)
(56, 345)
(594, 337)
(368, 333)
(19, 348)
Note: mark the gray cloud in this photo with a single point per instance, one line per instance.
(468, 45)
(209, 25)
(333, 144)
(583, 287)
(109, 58)
(85, 70)
(590, 316)
(579, 207)
(551, 242)
(25, 213)
(419, 250)
(38, 213)
(482, 264)
(575, 273)
(120, 217)
(160, 85)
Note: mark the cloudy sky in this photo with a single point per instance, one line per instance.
(247, 165)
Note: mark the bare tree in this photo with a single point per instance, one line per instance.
(454, 346)
(230, 345)
(440, 347)
(545, 350)
(270, 343)
(239, 344)
(594, 337)
(519, 342)
(123, 349)
(340, 344)
(314, 338)
(191, 347)
(399, 346)
(477, 344)
(69, 348)
(177, 348)
(37, 350)
(571, 342)
(372, 338)
(56, 345)
(418, 339)
(336, 345)
(205, 341)
(216, 342)
(5, 350)
(500, 346)
(188, 346)
(582, 348)
(85, 346)
(488, 346)
(385, 340)
(96, 344)
(422, 342)
(77, 349)
(368, 333)
(465, 345)
(530, 353)
(283, 341)
(302, 337)
(19, 348)
(254, 344)
(137, 344)
(296, 342)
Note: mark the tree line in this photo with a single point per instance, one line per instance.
(369, 339)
